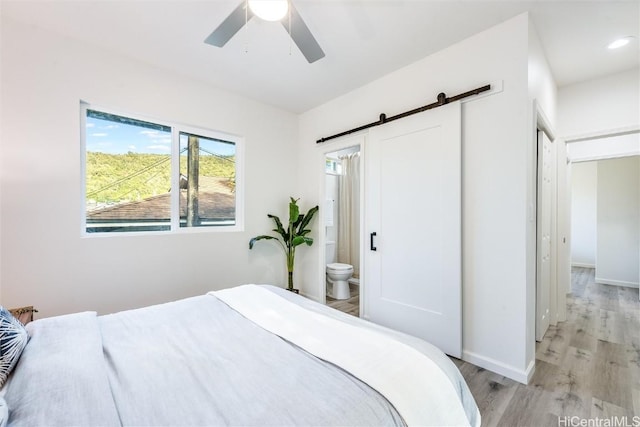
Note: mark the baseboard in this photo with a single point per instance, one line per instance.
(583, 265)
(312, 297)
(617, 282)
(499, 367)
(531, 369)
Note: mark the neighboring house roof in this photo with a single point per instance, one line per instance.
(215, 200)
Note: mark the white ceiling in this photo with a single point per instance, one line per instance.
(363, 39)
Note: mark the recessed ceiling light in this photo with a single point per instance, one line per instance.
(620, 42)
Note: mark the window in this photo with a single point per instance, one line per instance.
(333, 166)
(207, 172)
(131, 165)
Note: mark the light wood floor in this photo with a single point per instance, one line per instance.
(588, 366)
(349, 306)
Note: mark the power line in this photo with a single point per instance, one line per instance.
(218, 156)
(135, 189)
(128, 177)
(147, 168)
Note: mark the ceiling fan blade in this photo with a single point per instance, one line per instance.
(302, 36)
(230, 26)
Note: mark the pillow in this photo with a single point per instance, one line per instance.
(13, 339)
(4, 412)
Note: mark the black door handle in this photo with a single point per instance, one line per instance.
(372, 235)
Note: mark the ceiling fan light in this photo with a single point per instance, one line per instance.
(269, 10)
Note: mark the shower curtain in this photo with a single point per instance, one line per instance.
(349, 212)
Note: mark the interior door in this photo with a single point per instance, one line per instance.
(553, 280)
(543, 226)
(413, 217)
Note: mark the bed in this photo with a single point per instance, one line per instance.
(249, 355)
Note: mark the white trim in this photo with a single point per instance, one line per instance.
(353, 140)
(557, 297)
(622, 283)
(175, 178)
(522, 376)
(543, 123)
(605, 157)
(531, 369)
(496, 87)
(603, 134)
(582, 265)
(312, 297)
(240, 182)
(83, 167)
(176, 129)
(607, 133)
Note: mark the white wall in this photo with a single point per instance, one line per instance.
(598, 105)
(542, 102)
(44, 260)
(44, 76)
(584, 182)
(618, 246)
(564, 226)
(605, 148)
(496, 138)
(542, 86)
(596, 108)
(606, 219)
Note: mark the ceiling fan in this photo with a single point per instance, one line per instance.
(270, 10)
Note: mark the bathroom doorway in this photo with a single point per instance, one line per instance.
(342, 224)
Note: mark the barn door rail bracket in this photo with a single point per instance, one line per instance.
(442, 100)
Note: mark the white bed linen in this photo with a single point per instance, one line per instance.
(197, 361)
(405, 376)
(61, 379)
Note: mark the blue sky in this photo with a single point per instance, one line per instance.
(106, 136)
(118, 138)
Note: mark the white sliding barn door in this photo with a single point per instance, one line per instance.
(413, 205)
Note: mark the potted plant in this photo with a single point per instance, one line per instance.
(293, 236)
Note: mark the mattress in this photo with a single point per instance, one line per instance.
(243, 356)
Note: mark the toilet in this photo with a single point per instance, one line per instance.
(338, 275)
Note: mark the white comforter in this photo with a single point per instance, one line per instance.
(202, 361)
(405, 376)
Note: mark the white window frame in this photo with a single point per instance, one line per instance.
(176, 129)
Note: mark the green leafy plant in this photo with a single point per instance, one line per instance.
(293, 236)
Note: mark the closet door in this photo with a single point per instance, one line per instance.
(413, 217)
(545, 265)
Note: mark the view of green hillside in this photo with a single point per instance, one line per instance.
(113, 178)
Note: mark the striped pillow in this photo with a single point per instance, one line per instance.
(4, 412)
(13, 339)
